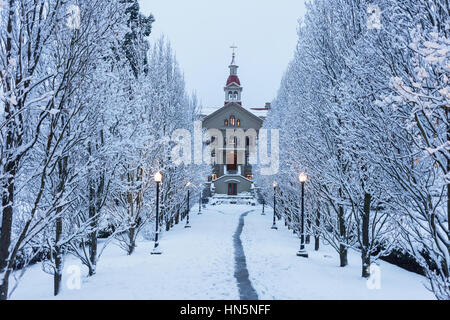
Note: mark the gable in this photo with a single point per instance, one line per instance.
(217, 118)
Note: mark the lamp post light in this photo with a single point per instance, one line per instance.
(158, 179)
(302, 252)
(274, 225)
(188, 206)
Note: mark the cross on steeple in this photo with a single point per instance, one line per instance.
(233, 55)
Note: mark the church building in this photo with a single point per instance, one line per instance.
(232, 172)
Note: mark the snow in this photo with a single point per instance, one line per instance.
(198, 263)
(278, 273)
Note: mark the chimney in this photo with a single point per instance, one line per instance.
(267, 107)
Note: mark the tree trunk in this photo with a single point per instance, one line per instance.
(167, 224)
(343, 255)
(132, 243)
(317, 237)
(93, 251)
(93, 233)
(6, 228)
(57, 276)
(342, 233)
(365, 254)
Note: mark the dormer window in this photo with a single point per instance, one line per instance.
(232, 121)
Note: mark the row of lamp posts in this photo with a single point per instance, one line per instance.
(158, 178)
(302, 178)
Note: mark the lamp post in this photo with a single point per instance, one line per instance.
(200, 201)
(263, 203)
(188, 206)
(302, 252)
(158, 179)
(274, 225)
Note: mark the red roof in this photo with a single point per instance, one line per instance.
(232, 79)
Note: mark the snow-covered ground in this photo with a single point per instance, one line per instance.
(198, 263)
(277, 272)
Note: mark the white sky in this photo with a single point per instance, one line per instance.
(201, 32)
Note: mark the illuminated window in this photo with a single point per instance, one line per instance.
(249, 176)
(226, 122)
(214, 176)
(238, 122)
(232, 121)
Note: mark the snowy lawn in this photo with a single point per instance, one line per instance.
(277, 273)
(198, 263)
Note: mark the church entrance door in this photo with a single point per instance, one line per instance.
(232, 189)
(232, 161)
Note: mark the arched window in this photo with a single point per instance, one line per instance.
(232, 121)
(225, 123)
(235, 95)
(238, 122)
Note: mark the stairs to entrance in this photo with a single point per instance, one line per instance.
(243, 198)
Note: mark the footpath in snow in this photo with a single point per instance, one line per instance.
(227, 254)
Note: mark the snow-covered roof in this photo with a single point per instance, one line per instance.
(206, 111)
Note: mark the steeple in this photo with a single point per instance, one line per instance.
(233, 87)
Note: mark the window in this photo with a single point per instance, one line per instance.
(225, 123)
(230, 95)
(238, 122)
(249, 176)
(247, 141)
(213, 138)
(232, 121)
(235, 95)
(214, 176)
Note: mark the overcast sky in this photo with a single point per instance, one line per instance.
(202, 31)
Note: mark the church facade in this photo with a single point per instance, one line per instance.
(233, 140)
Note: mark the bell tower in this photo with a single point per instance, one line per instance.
(233, 89)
